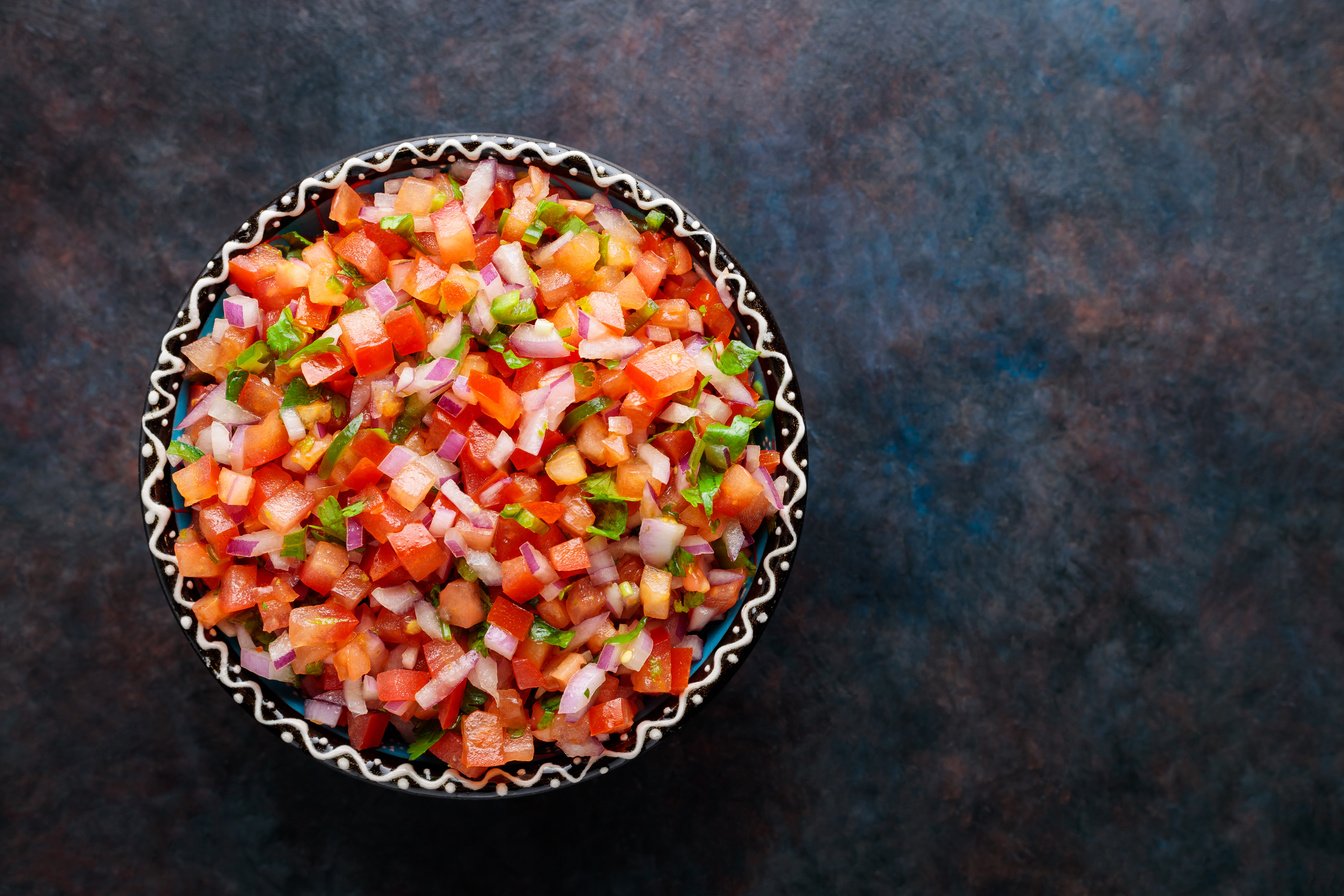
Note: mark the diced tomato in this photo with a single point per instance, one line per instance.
(400, 684)
(526, 673)
(423, 280)
(284, 510)
(406, 328)
(265, 441)
(418, 551)
(362, 252)
(346, 205)
(739, 491)
(246, 271)
(371, 445)
(351, 662)
(208, 611)
(460, 603)
(496, 399)
(519, 582)
(365, 340)
(323, 624)
(236, 590)
(452, 705)
(656, 676)
(217, 526)
(482, 740)
(676, 444)
(769, 461)
(195, 558)
(366, 731)
(611, 717)
(453, 233)
(259, 397)
(510, 617)
(385, 568)
(198, 480)
(681, 668)
(364, 473)
(381, 516)
(387, 241)
(323, 566)
(570, 557)
(662, 371)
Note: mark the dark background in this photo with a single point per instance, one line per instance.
(1065, 285)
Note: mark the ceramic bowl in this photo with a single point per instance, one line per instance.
(278, 707)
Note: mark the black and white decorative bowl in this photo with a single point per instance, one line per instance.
(727, 642)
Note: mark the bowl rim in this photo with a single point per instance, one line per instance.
(749, 617)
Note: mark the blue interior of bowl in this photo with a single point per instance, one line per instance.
(308, 224)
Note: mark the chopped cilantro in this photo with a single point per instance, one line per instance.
(732, 437)
(736, 358)
(295, 546)
(583, 375)
(283, 337)
(351, 271)
(234, 384)
(473, 697)
(680, 562)
(425, 739)
(691, 600)
(254, 358)
(298, 392)
(549, 706)
(627, 637)
(316, 347)
(545, 633)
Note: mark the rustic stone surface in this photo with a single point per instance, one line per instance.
(1066, 287)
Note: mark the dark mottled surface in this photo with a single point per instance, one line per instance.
(1066, 284)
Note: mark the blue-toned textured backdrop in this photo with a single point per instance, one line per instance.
(1065, 284)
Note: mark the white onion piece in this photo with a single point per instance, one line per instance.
(616, 224)
(501, 642)
(502, 450)
(354, 697)
(294, 427)
(580, 690)
(714, 407)
(696, 644)
(677, 413)
(512, 266)
(225, 411)
(486, 568)
(449, 335)
(322, 712)
(659, 539)
(608, 349)
(660, 466)
(637, 652)
(701, 616)
(447, 678)
(217, 437)
(476, 191)
(547, 252)
(485, 675)
(397, 599)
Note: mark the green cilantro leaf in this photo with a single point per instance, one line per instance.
(295, 546)
(254, 358)
(351, 271)
(427, 738)
(627, 637)
(583, 375)
(681, 561)
(736, 358)
(283, 337)
(188, 453)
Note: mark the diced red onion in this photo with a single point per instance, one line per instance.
(491, 283)
(606, 349)
(658, 334)
(436, 467)
(380, 297)
(539, 339)
(502, 450)
(733, 540)
(495, 489)
(512, 266)
(322, 712)
(282, 654)
(696, 546)
(403, 657)
(537, 564)
(441, 522)
(659, 538)
(714, 407)
(547, 252)
(476, 191)
(694, 322)
(486, 568)
(451, 406)
(751, 458)
(451, 449)
(397, 598)
(770, 491)
(696, 644)
(258, 662)
(501, 642)
(589, 627)
(485, 675)
(449, 335)
(395, 710)
(660, 467)
(236, 447)
(610, 658)
(648, 502)
(369, 685)
(202, 407)
(724, 576)
(375, 213)
(354, 534)
(551, 590)
(637, 652)
(602, 568)
(354, 697)
(225, 411)
(453, 541)
(616, 224)
(580, 690)
(254, 544)
(614, 598)
(677, 413)
(701, 616)
(462, 390)
(396, 460)
(676, 628)
(435, 374)
(590, 747)
(336, 697)
(428, 617)
(480, 318)
(241, 311)
(447, 678)
(219, 328)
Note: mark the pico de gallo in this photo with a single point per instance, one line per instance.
(477, 462)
